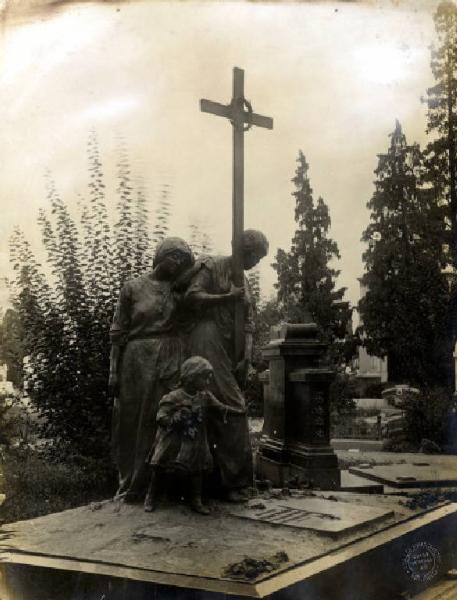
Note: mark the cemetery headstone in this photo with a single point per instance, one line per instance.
(295, 444)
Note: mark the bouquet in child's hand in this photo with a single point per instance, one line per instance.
(179, 418)
(192, 422)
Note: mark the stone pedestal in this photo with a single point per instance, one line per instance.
(295, 443)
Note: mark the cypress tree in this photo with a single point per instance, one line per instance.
(306, 280)
(404, 308)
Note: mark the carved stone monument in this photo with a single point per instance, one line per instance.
(295, 442)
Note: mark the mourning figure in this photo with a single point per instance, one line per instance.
(211, 294)
(146, 356)
(181, 443)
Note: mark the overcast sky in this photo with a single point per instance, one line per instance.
(334, 76)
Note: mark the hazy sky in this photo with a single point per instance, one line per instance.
(334, 76)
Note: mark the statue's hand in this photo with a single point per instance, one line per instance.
(113, 384)
(236, 411)
(236, 292)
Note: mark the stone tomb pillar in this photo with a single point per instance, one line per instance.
(295, 442)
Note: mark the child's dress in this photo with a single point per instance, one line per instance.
(181, 441)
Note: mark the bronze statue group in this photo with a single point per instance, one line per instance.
(178, 406)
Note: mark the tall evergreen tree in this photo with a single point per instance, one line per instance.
(441, 101)
(404, 308)
(441, 151)
(306, 280)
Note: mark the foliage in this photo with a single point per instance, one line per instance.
(404, 309)
(267, 315)
(306, 280)
(162, 216)
(199, 240)
(253, 278)
(398, 445)
(427, 417)
(441, 151)
(253, 393)
(66, 318)
(342, 393)
(441, 100)
(375, 390)
(131, 241)
(11, 346)
(8, 421)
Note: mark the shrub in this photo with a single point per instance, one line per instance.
(342, 394)
(427, 416)
(398, 445)
(65, 309)
(253, 394)
(8, 423)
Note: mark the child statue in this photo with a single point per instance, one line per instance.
(181, 442)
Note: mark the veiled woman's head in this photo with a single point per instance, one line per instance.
(172, 256)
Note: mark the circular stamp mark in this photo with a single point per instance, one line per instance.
(422, 562)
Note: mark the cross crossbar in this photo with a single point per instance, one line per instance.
(226, 110)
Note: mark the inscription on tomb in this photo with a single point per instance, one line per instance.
(317, 414)
(317, 514)
(286, 515)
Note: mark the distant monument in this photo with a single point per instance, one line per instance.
(370, 370)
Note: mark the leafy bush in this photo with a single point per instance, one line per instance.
(8, 424)
(398, 445)
(253, 394)
(66, 317)
(427, 416)
(342, 394)
(374, 390)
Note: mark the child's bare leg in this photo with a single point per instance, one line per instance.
(150, 501)
(196, 494)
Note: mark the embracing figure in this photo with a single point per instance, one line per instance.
(146, 355)
(148, 348)
(212, 294)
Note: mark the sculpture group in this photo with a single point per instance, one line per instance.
(178, 405)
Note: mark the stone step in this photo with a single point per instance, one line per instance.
(355, 483)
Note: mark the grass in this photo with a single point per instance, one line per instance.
(34, 486)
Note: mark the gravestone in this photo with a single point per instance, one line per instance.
(420, 474)
(295, 442)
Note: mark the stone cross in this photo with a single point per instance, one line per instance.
(240, 114)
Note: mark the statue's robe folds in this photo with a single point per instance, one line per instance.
(145, 327)
(212, 338)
